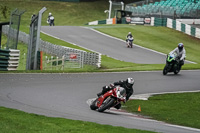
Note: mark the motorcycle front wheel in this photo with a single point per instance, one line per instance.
(93, 106)
(109, 102)
(165, 71)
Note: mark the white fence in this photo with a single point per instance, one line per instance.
(57, 50)
(69, 60)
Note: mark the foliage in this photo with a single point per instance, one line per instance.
(4, 11)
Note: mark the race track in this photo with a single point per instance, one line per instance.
(66, 95)
(90, 39)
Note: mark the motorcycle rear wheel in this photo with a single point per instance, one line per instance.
(106, 105)
(176, 71)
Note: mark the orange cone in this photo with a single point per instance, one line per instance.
(139, 109)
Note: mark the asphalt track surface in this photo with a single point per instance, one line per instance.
(90, 39)
(66, 95)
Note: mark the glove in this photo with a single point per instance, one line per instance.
(124, 100)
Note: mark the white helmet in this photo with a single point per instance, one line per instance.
(50, 14)
(129, 33)
(130, 82)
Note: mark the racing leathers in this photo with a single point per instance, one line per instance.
(181, 55)
(127, 87)
(124, 84)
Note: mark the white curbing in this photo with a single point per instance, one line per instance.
(146, 96)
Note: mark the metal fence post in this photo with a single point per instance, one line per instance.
(38, 35)
(63, 62)
(57, 63)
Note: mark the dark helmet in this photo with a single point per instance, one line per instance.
(130, 82)
(180, 46)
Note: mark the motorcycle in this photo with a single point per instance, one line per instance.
(110, 99)
(172, 64)
(50, 21)
(129, 42)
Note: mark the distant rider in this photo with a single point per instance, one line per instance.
(50, 19)
(181, 53)
(126, 84)
(127, 38)
(129, 35)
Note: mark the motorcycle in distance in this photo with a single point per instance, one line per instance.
(109, 99)
(129, 42)
(50, 21)
(172, 64)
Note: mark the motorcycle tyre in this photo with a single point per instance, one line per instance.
(165, 70)
(107, 105)
(131, 45)
(176, 71)
(93, 106)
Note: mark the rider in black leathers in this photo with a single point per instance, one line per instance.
(126, 84)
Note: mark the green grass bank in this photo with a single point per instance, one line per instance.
(14, 121)
(180, 109)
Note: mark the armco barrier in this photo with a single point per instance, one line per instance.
(9, 59)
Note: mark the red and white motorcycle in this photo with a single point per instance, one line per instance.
(109, 99)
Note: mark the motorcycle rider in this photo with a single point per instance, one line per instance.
(181, 53)
(129, 35)
(127, 38)
(126, 84)
(50, 19)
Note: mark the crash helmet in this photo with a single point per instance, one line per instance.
(129, 33)
(50, 14)
(121, 91)
(130, 82)
(180, 46)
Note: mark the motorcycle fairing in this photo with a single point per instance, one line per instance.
(103, 97)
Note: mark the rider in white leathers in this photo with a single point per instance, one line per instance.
(181, 53)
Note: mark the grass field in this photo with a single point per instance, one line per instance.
(179, 109)
(14, 121)
(65, 13)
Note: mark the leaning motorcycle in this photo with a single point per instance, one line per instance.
(130, 42)
(109, 99)
(172, 64)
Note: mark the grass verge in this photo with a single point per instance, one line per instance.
(181, 108)
(14, 121)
